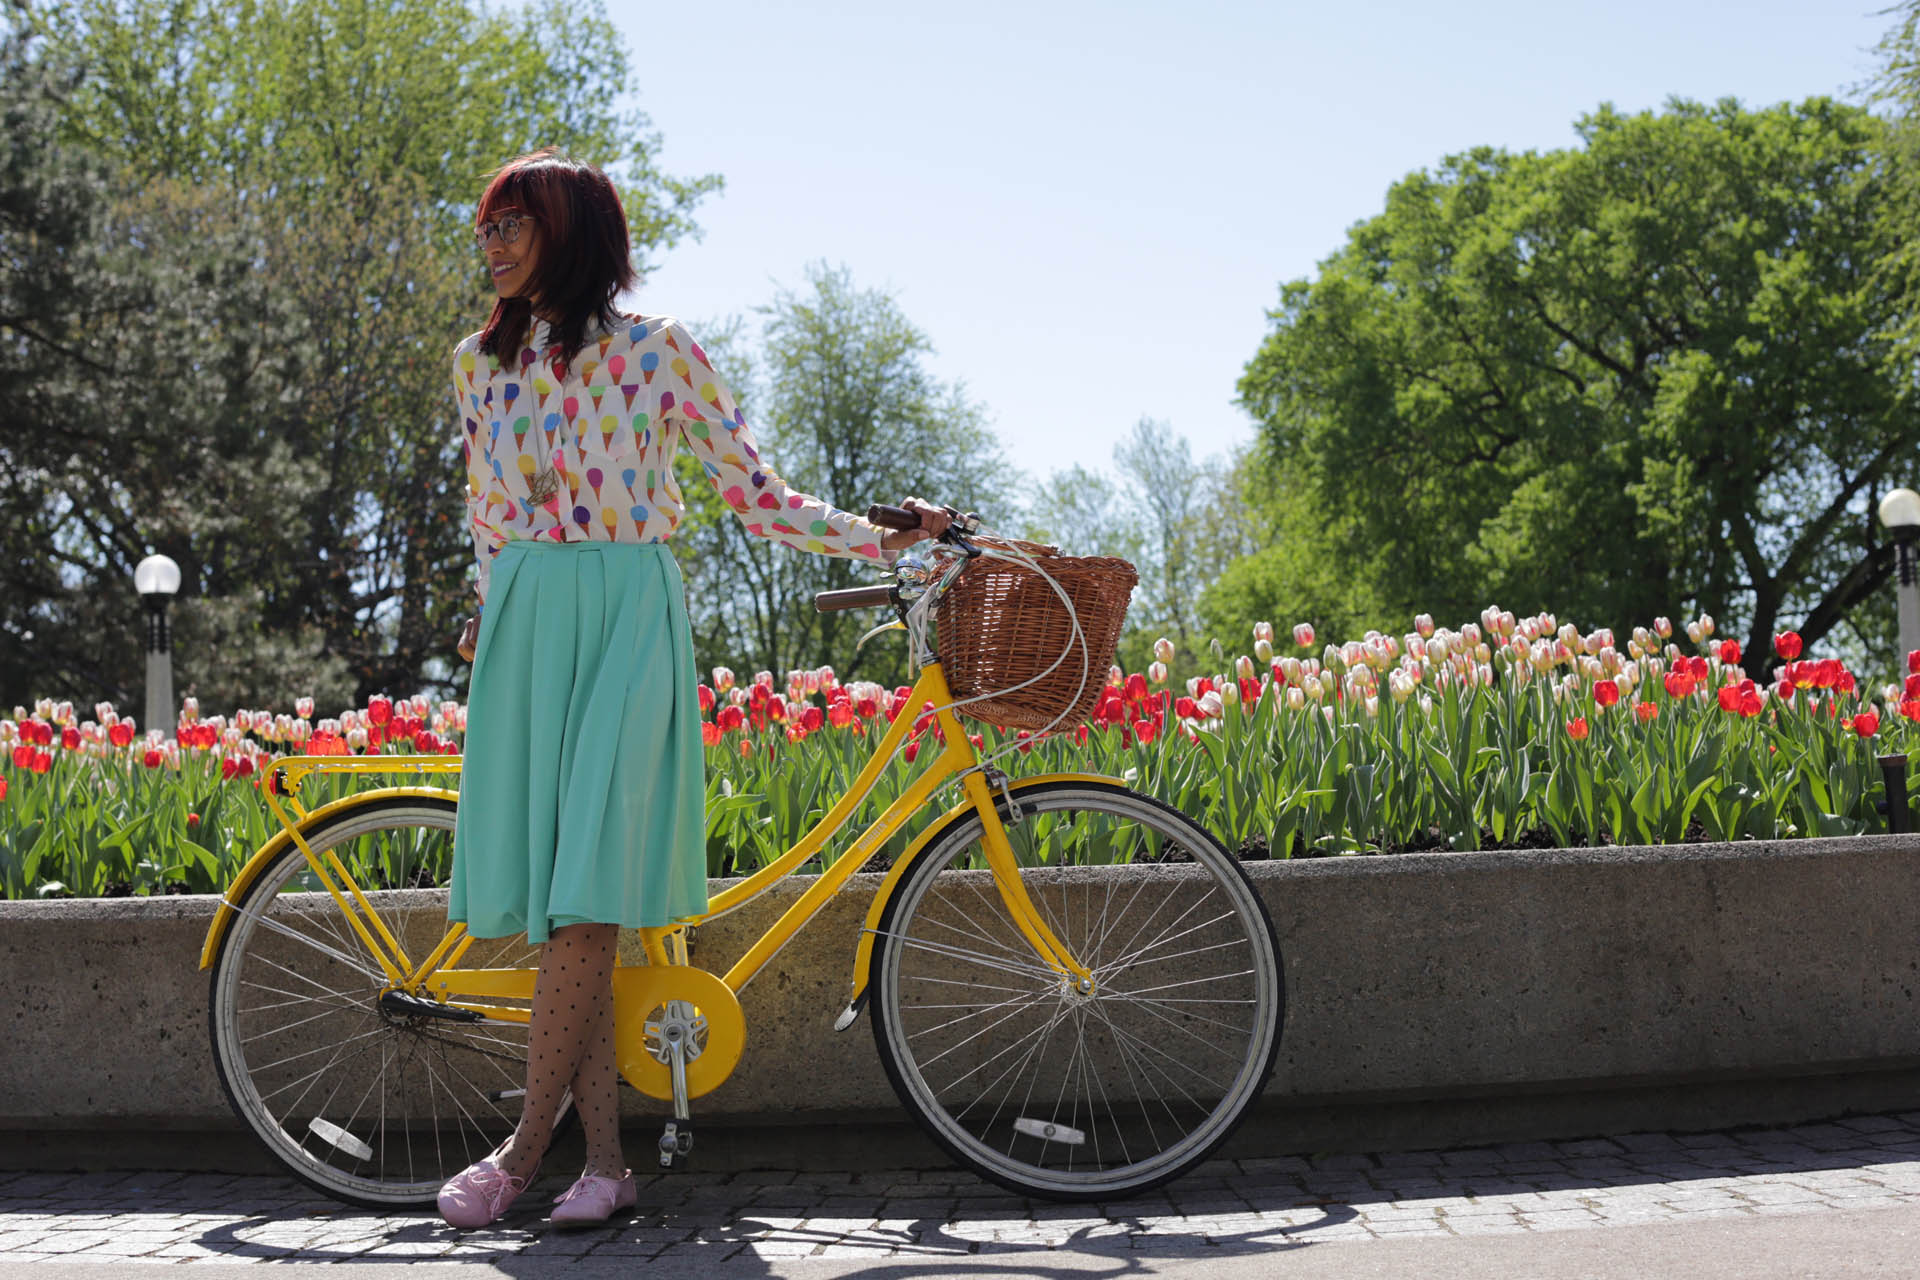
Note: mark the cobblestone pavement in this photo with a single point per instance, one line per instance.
(1228, 1206)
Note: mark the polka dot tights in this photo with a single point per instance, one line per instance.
(570, 1046)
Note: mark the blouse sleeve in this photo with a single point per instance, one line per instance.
(717, 433)
(487, 537)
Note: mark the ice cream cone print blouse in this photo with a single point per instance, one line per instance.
(584, 452)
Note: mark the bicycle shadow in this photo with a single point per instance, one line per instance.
(722, 1236)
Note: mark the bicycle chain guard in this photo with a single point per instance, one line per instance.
(640, 990)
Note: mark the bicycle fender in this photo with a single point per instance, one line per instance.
(266, 853)
(863, 950)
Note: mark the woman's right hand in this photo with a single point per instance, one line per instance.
(469, 638)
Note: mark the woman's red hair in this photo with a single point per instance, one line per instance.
(585, 258)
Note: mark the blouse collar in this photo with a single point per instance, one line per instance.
(542, 335)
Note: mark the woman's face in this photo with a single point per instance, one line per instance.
(512, 246)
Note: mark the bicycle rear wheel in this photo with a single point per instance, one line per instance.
(1055, 1092)
(374, 1102)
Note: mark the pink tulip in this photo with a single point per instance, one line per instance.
(1303, 635)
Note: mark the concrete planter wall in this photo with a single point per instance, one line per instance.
(1431, 998)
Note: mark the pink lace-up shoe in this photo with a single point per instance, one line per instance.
(479, 1194)
(594, 1199)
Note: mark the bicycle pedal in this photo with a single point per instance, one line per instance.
(676, 1143)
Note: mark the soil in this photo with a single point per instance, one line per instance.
(1434, 840)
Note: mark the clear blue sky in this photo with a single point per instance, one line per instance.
(1090, 207)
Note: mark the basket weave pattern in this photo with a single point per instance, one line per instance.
(1001, 624)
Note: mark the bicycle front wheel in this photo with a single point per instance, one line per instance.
(370, 1098)
(1040, 1086)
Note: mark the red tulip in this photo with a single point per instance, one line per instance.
(1913, 662)
(1577, 728)
(913, 749)
(706, 699)
(3, 788)
(1866, 724)
(812, 718)
(1137, 688)
(1646, 711)
(1787, 645)
(23, 756)
(121, 735)
(193, 819)
(709, 733)
(228, 768)
(152, 758)
(379, 709)
(42, 761)
(1249, 691)
(1144, 731)
(1186, 709)
(1741, 699)
(70, 738)
(840, 714)
(426, 742)
(1679, 683)
(244, 766)
(1606, 693)
(730, 717)
(1728, 652)
(1910, 708)
(1025, 740)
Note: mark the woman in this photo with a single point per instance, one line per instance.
(582, 791)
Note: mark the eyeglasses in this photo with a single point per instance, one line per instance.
(508, 228)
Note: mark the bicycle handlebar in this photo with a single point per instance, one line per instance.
(890, 517)
(857, 597)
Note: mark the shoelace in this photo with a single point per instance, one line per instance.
(586, 1185)
(491, 1180)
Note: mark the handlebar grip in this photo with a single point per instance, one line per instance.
(855, 598)
(888, 517)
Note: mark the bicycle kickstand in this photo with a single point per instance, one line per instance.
(676, 1139)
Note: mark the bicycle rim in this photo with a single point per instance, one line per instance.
(374, 1105)
(1059, 1093)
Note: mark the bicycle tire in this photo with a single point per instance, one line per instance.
(369, 1105)
(1182, 952)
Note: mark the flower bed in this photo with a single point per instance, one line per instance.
(1512, 732)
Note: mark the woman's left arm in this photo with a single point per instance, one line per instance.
(717, 433)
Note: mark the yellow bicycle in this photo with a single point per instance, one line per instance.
(1066, 1030)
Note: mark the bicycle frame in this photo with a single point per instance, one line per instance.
(956, 759)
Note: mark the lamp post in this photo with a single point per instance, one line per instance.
(156, 579)
(1900, 512)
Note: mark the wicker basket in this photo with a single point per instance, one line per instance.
(1001, 624)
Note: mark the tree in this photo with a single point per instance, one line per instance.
(1178, 520)
(1639, 377)
(280, 205)
(840, 398)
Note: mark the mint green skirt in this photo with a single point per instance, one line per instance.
(583, 788)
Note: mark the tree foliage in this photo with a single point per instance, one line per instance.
(840, 397)
(1179, 520)
(1637, 377)
(230, 340)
